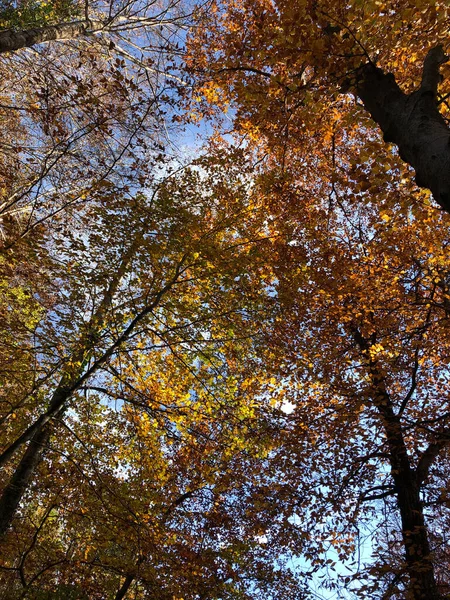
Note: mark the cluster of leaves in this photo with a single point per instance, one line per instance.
(32, 13)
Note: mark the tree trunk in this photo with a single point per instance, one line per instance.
(22, 476)
(39, 432)
(11, 40)
(124, 587)
(419, 564)
(413, 122)
(415, 539)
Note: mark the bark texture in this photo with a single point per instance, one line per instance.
(11, 40)
(413, 122)
(418, 557)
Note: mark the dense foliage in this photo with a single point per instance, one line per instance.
(224, 365)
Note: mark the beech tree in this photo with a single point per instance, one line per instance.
(287, 66)
(126, 452)
(127, 404)
(311, 86)
(366, 336)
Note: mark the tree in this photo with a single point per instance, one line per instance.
(295, 76)
(287, 65)
(176, 318)
(88, 112)
(141, 347)
(56, 21)
(127, 453)
(367, 373)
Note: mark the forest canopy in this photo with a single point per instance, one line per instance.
(225, 300)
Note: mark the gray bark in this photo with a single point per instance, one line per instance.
(413, 122)
(11, 40)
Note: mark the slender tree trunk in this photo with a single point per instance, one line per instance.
(419, 564)
(22, 477)
(38, 434)
(124, 587)
(413, 122)
(11, 40)
(415, 539)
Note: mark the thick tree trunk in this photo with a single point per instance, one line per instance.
(11, 40)
(413, 122)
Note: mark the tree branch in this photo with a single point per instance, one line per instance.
(430, 454)
(413, 386)
(431, 76)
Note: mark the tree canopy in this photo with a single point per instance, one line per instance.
(225, 300)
